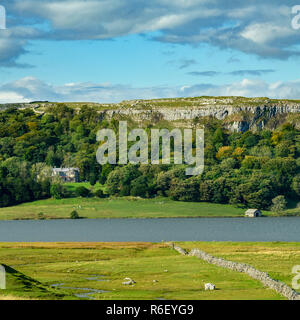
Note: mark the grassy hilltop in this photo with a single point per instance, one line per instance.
(163, 102)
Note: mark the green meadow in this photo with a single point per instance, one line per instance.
(99, 270)
(126, 207)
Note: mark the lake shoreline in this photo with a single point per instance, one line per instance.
(151, 218)
(126, 208)
(151, 230)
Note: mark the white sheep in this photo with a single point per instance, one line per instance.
(209, 286)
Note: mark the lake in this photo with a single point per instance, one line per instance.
(152, 230)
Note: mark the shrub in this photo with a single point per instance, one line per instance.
(118, 181)
(228, 164)
(139, 187)
(279, 204)
(224, 153)
(186, 190)
(74, 215)
(58, 191)
(82, 192)
(92, 179)
(41, 216)
(99, 194)
(296, 184)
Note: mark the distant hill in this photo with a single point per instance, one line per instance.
(237, 113)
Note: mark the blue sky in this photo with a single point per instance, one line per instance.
(112, 50)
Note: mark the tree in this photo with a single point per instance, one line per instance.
(99, 194)
(279, 204)
(219, 191)
(238, 153)
(228, 164)
(74, 215)
(251, 162)
(296, 184)
(58, 191)
(224, 152)
(218, 138)
(119, 180)
(92, 179)
(206, 191)
(186, 190)
(105, 171)
(163, 182)
(261, 151)
(249, 139)
(82, 192)
(139, 187)
(284, 149)
(52, 159)
(276, 137)
(41, 216)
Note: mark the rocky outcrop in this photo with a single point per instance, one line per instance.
(263, 277)
(236, 118)
(237, 113)
(219, 112)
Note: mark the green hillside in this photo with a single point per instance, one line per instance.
(243, 168)
(20, 285)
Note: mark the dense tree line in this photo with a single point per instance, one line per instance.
(248, 169)
(21, 181)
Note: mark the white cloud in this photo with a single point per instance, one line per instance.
(12, 97)
(249, 88)
(30, 89)
(258, 27)
(264, 33)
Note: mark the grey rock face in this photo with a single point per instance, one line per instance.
(239, 114)
(249, 117)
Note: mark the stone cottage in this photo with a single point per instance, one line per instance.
(253, 213)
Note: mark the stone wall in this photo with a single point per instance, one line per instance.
(263, 277)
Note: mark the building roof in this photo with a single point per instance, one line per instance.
(252, 210)
(65, 169)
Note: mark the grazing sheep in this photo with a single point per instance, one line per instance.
(209, 286)
(128, 282)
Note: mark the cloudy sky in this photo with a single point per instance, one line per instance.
(111, 50)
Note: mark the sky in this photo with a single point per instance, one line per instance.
(113, 50)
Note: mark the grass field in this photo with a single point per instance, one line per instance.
(124, 207)
(99, 269)
(95, 208)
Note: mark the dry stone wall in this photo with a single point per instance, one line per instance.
(263, 277)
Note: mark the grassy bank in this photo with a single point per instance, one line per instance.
(124, 207)
(95, 208)
(159, 272)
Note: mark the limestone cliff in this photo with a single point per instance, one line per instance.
(236, 113)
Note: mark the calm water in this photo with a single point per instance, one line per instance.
(152, 230)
